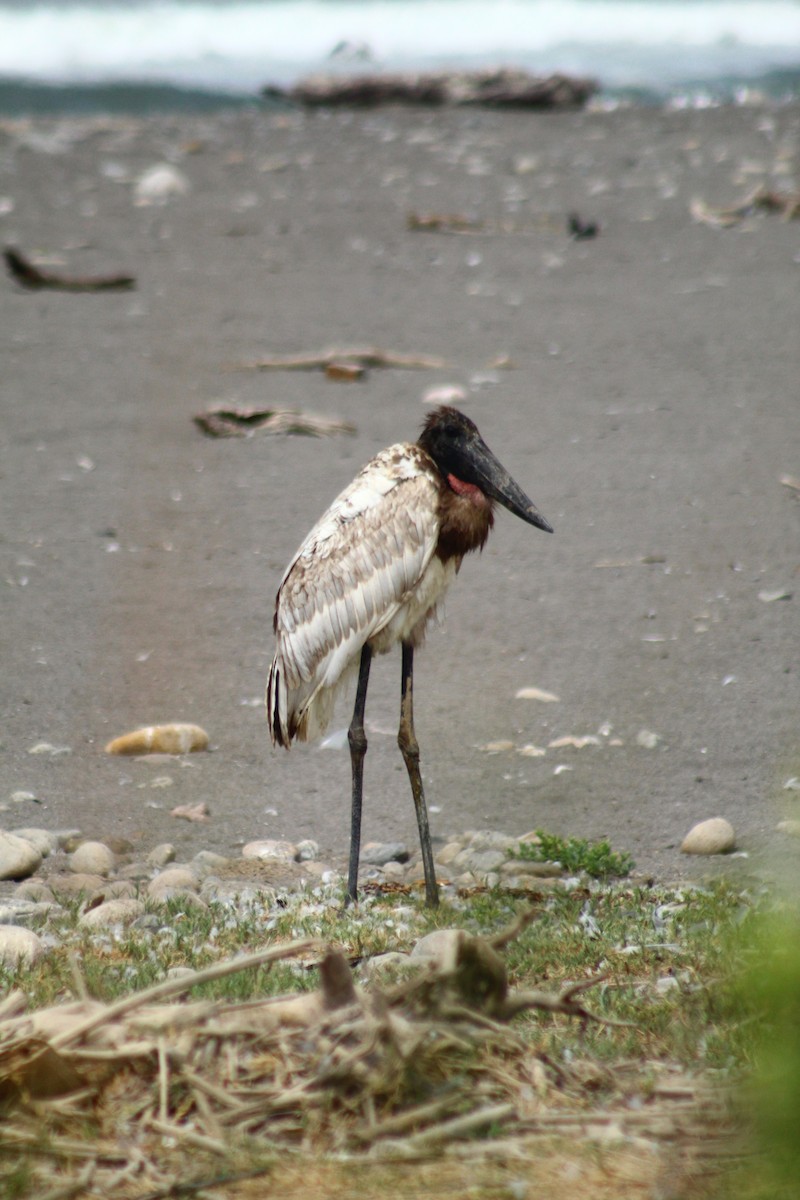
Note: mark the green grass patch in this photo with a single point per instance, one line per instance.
(595, 859)
(667, 956)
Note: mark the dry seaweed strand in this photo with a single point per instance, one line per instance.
(175, 1092)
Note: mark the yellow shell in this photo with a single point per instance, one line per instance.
(160, 739)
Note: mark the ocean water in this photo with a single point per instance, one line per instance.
(133, 54)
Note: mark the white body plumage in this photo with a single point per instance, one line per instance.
(367, 572)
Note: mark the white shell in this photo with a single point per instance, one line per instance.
(175, 738)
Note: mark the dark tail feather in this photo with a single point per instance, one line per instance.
(277, 727)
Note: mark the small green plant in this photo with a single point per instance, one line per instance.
(576, 854)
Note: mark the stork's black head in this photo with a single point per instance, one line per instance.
(455, 445)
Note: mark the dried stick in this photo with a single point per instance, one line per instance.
(174, 987)
(66, 1191)
(406, 1120)
(459, 1126)
(163, 1080)
(564, 1002)
(182, 1134)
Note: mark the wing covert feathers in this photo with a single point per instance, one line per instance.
(355, 576)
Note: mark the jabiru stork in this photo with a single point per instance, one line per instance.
(373, 572)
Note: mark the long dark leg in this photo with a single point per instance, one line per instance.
(358, 749)
(407, 741)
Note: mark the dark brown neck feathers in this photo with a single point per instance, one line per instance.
(464, 522)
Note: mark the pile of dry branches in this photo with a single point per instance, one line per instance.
(128, 1098)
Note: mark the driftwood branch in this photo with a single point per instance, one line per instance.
(322, 360)
(30, 276)
(243, 422)
(761, 199)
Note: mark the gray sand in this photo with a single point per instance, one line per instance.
(651, 413)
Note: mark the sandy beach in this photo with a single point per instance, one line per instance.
(641, 385)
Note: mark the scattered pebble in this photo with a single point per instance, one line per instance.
(525, 164)
(714, 836)
(42, 839)
(534, 693)
(49, 748)
(75, 885)
(777, 594)
(448, 853)
(19, 946)
(377, 854)
(92, 858)
(191, 812)
(792, 827)
(116, 889)
(484, 862)
(445, 394)
(174, 881)
(18, 857)
(34, 889)
(394, 872)
(441, 945)
(307, 850)
(648, 739)
(111, 912)
(269, 848)
(160, 183)
(578, 743)
(175, 738)
(22, 910)
(23, 797)
(206, 861)
(160, 855)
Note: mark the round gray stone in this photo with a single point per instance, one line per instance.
(18, 858)
(92, 858)
(111, 912)
(161, 855)
(19, 946)
(42, 839)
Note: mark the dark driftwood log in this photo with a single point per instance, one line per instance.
(31, 276)
(495, 89)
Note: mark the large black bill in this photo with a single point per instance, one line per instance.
(493, 479)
